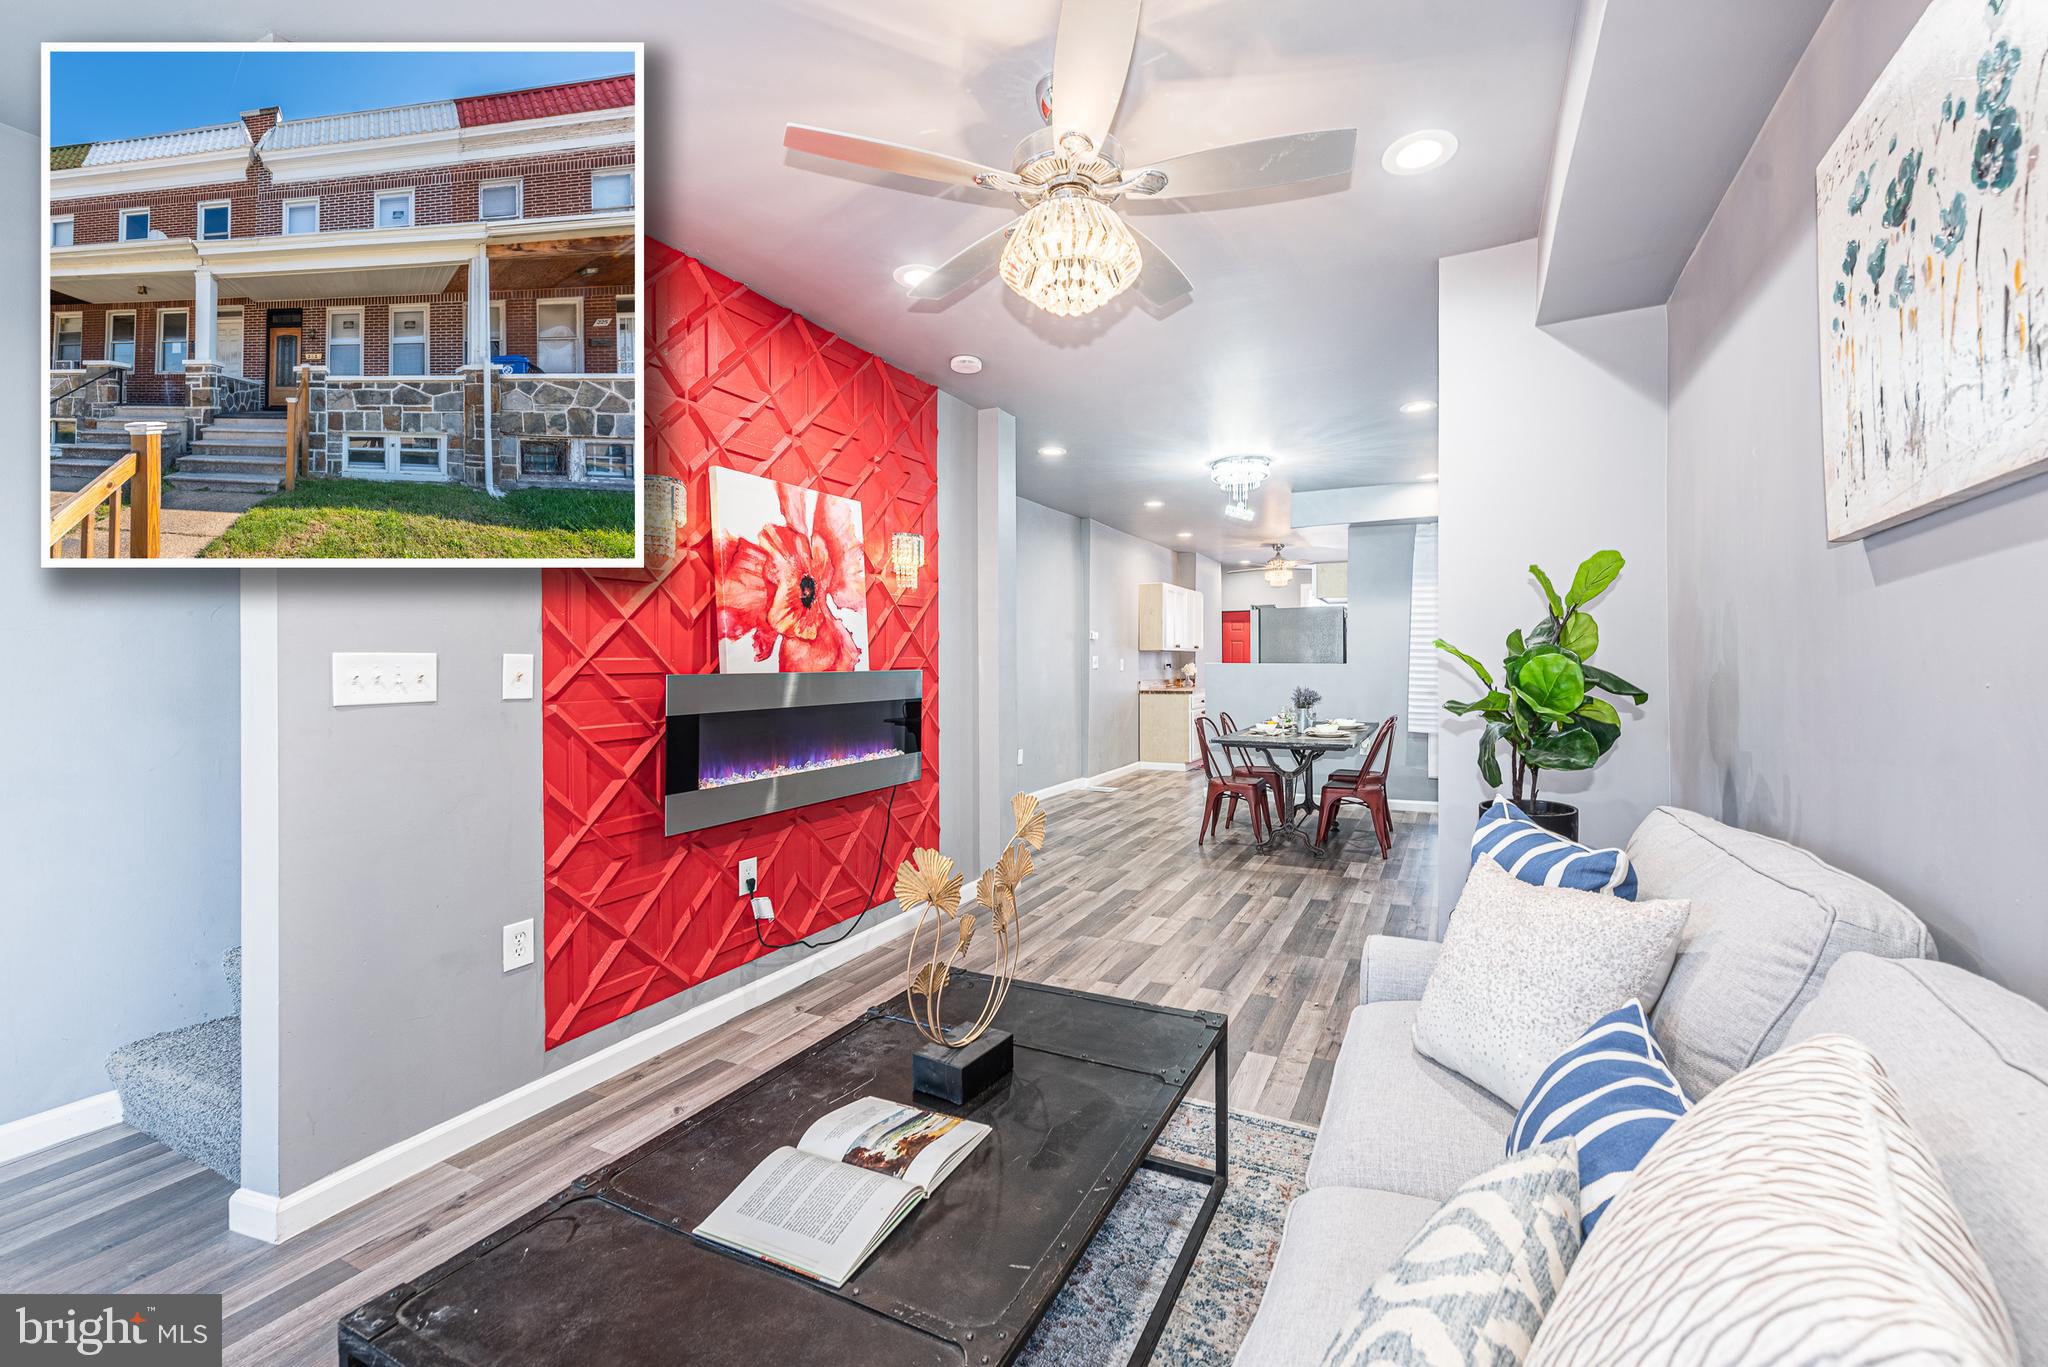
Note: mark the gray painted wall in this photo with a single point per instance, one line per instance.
(410, 835)
(1117, 564)
(1052, 646)
(119, 727)
(1372, 682)
(1551, 446)
(958, 640)
(1874, 702)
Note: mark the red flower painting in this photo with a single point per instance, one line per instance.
(792, 577)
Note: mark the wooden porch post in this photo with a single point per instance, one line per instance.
(145, 492)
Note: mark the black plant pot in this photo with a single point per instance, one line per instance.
(1559, 818)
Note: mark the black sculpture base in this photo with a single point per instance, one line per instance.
(959, 1075)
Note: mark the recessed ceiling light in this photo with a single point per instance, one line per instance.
(1052, 452)
(1184, 535)
(1419, 406)
(1419, 152)
(910, 277)
(1155, 503)
(1244, 562)
(1431, 476)
(966, 365)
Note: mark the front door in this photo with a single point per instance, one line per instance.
(555, 348)
(284, 361)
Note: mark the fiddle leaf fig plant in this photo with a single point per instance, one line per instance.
(1543, 707)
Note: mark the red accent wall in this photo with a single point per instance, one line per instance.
(633, 916)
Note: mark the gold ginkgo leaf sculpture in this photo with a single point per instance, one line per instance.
(926, 883)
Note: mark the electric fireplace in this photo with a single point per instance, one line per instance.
(741, 745)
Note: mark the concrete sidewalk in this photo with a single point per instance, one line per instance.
(192, 519)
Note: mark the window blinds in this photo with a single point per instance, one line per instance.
(1423, 714)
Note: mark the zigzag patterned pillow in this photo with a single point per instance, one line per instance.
(1507, 836)
(1611, 1091)
(1474, 1283)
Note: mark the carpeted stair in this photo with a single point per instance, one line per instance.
(184, 1087)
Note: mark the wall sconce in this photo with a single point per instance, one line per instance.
(906, 558)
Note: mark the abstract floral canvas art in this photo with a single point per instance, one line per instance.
(791, 576)
(1932, 367)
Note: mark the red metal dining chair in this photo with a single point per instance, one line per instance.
(1242, 768)
(1223, 785)
(1368, 787)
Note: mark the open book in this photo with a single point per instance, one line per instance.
(822, 1207)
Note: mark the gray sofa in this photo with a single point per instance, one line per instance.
(1778, 946)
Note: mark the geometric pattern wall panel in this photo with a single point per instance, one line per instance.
(633, 916)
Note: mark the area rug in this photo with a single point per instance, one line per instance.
(1096, 1319)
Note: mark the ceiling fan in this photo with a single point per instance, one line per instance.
(1070, 252)
(1280, 570)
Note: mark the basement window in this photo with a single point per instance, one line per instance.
(543, 458)
(607, 460)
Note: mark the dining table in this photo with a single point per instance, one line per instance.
(1293, 755)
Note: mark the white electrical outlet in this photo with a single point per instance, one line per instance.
(750, 876)
(519, 944)
(1095, 662)
(373, 678)
(519, 676)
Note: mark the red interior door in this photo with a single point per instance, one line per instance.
(1237, 638)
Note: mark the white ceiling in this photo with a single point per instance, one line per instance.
(1314, 313)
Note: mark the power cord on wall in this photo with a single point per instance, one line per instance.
(874, 883)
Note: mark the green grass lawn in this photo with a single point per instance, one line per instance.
(363, 519)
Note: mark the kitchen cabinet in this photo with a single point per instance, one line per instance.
(1166, 724)
(1169, 618)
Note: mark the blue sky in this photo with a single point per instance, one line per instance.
(100, 95)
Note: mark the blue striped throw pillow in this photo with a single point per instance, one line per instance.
(1534, 855)
(1614, 1094)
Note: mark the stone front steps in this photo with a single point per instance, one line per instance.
(243, 453)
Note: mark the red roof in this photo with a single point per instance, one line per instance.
(547, 101)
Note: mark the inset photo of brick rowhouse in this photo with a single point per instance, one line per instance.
(312, 303)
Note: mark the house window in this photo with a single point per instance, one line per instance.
(121, 338)
(345, 341)
(134, 225)
(365, 454)
(499, 199)
(173, 338)
(379, 455)
(213, 221)
(67, 339)
(419, 455)
(61, 231)
(302, 215)
(408, 341)
(547, 458)
(394, 209)
(607, 460)
(611, 189)
(497, 328)
(227, 340)
(628, 334)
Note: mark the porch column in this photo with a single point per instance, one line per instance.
(479, 347)
(205, 306)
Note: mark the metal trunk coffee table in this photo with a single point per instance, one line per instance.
(607, 1271)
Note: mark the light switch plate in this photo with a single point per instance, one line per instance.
(519, 676)
(376, 678)
(1095, 662)
(519, 944)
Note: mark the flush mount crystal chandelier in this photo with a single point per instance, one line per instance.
(1070, 252)
(1238, 476)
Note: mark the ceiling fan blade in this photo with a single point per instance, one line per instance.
(1160, 282)
(1257, 165)
(965, 265)
(1091, 56)
(885, 156)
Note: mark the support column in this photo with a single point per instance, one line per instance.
(995, 586)
(478, 349)
(205, 310)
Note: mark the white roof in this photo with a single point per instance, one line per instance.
(436, 116)
(221, 137)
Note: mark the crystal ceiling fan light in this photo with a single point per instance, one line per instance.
(1070, 256)
(1238, 476)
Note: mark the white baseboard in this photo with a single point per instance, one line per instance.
(20, 1138)
(1412, 804)
(1097, 780)
(275, 1219)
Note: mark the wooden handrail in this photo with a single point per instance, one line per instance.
(141, 471)
(292, 422)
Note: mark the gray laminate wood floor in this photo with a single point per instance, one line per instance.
(1123, 903)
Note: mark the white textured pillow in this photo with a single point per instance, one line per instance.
(1524, 970)
(1792, 1217)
